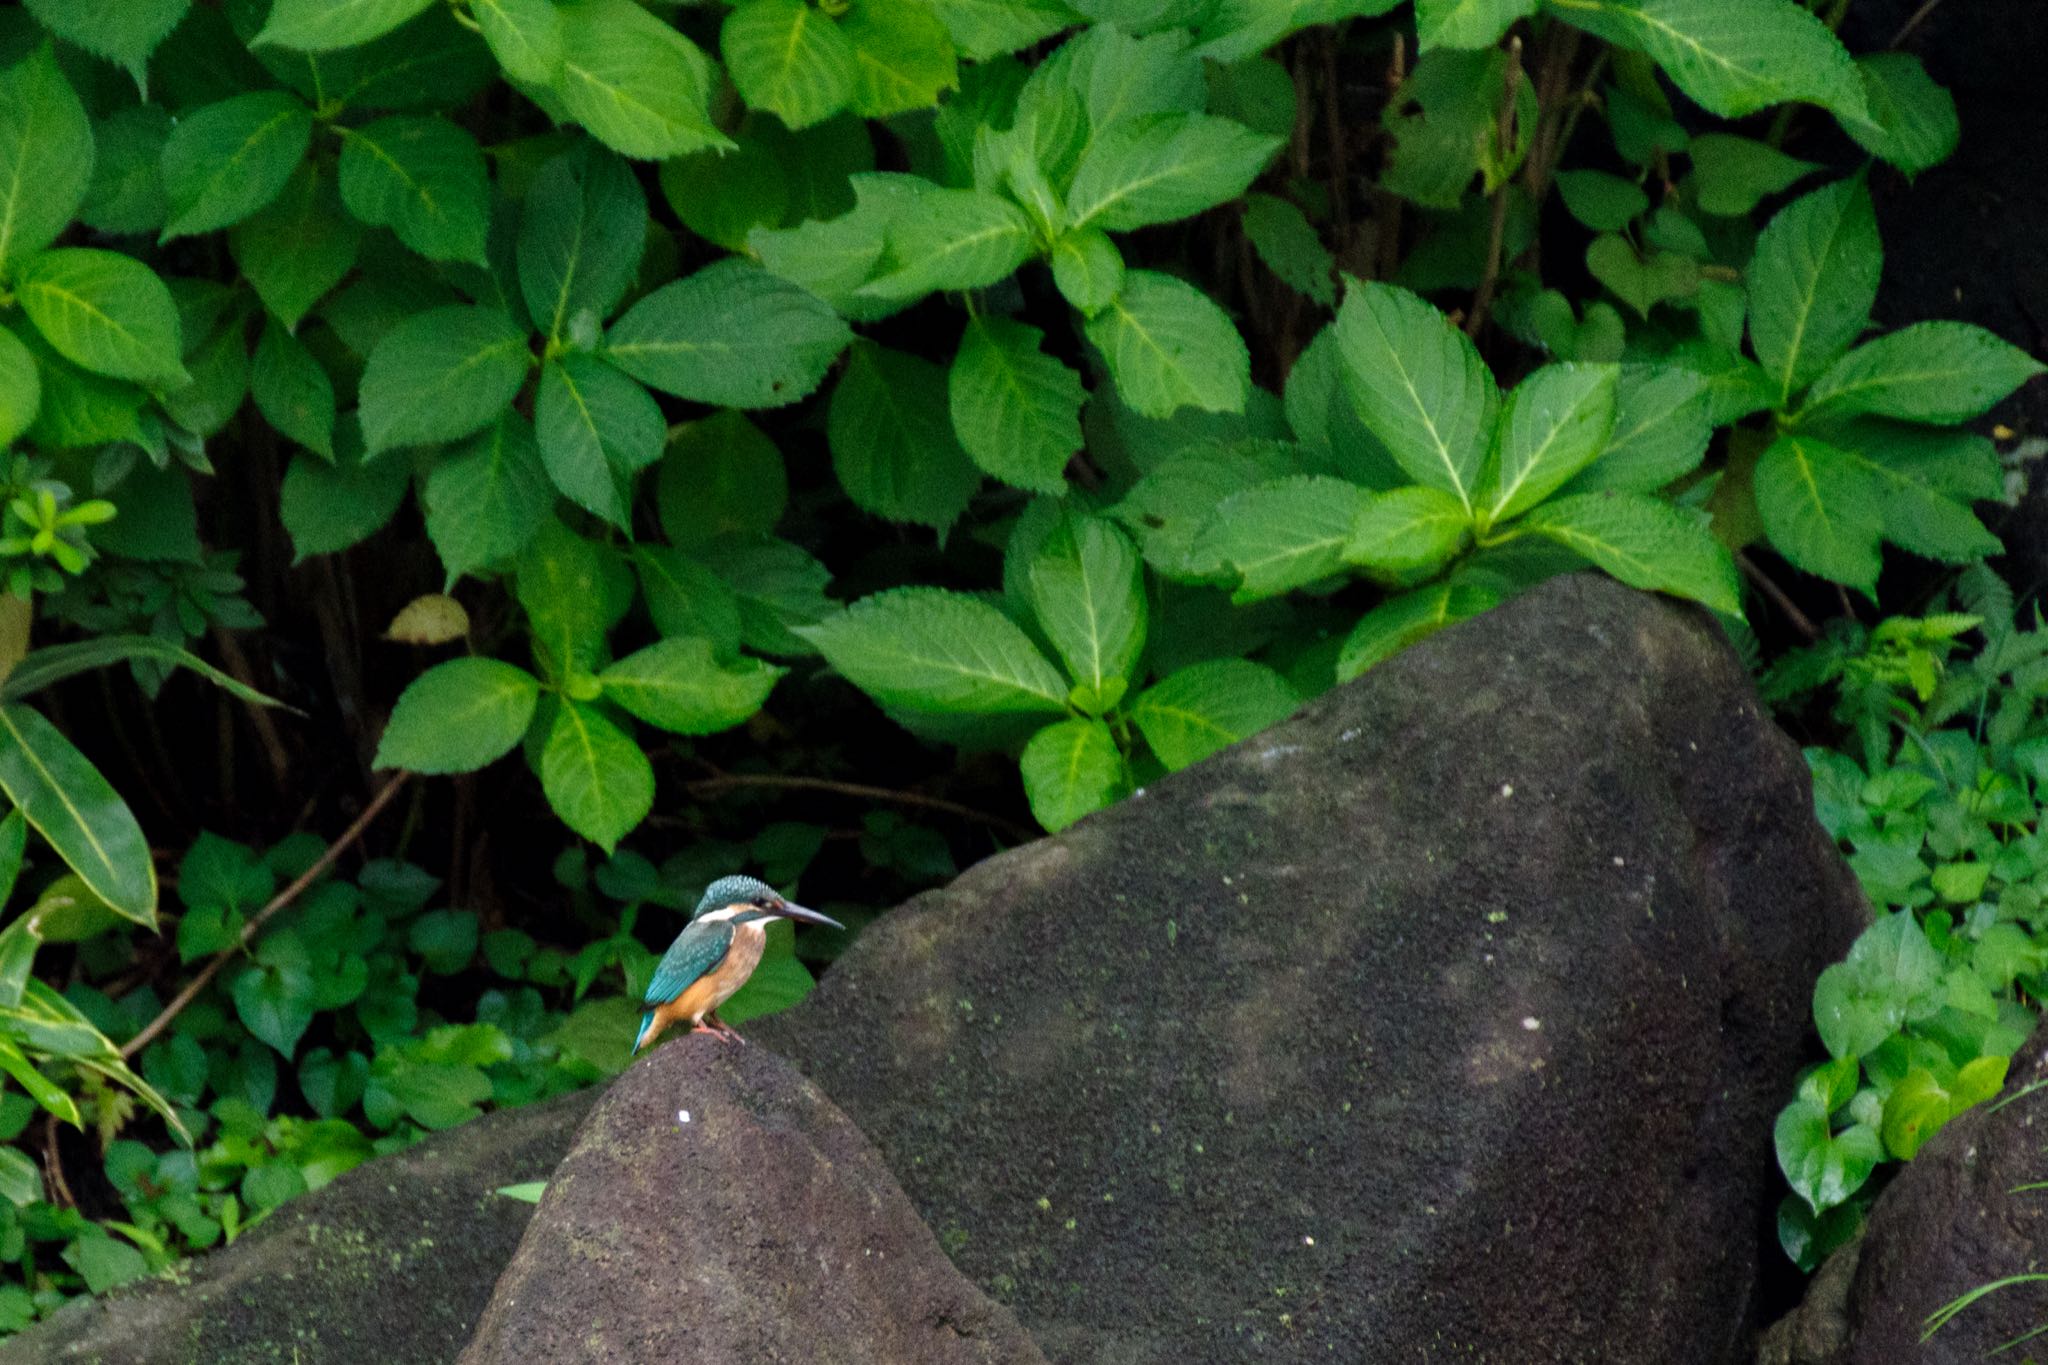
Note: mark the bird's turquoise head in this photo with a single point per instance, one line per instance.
(745, 900)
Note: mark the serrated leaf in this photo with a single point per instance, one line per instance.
(685, 598)
(790, 59)
(892, 439)
(323, 25)
(1812, 281)
(957, 239)
(1418, 384)
(424, 178)
(1072, 768)
(440, 375)
(1553, 425)
(681, 687)
(1169, 510)
(1087, 269)
(125, 32)
(524, 35)
(1821, 509)
(1289, 246)
(485, 498)
(720, 477)
(731, 335)
(1939, 372)
(1121, 77)
(126, 195)
(1643, 541)
(1640, 280)
(573, 591)
(581, 234)
(104, 312)
(1733, 57)
(459, 716)
(1168, 166)
(595, 776)
(1466, 23)
(297, 249)
(1088, 592)
(596, 429)
(982, 29)
(928, 650)
(21, 389)
(77, 812)
(1603, 202)
(329, 505)
(1912, 121)
(780, 587)
(1282, 535)
(1733, 174)
(225, 161)
(1662, 424)
(291, 390)
(1016, 410)
(46, 154)
(1407, 532)
(902, 57)
(1410, 618)
(633, 82)
(1208, 706)
(1168, 346)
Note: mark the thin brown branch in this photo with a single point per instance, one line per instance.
(256, 921)
(53, 1166)
(237, 665)
(706, 786)
(1504, 133)
(1918, 18)
(1800, 621)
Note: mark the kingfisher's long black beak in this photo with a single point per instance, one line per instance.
(791, 910)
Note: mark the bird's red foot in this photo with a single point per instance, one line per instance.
(727, 1031)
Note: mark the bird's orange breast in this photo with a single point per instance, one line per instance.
(717, 986)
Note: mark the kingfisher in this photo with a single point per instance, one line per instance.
(714, 955)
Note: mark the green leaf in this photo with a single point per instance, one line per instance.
(329, 505)
(1732, 175)
(1661, 428)
(1168, 346)
(1912, 121)
(1824, 1168)
(1289, 246)
(1466, 23)
(1821, 509)
(1643, 541)
(126, 195)
(597, 429)
(902, 57)
(21, 390)
(40, 668)
(1122, 77)
(124, 32)
(720, 477)
(1208, 706)
(925, 649)
(524, 35)
(1282, 535)
(1603, 202)
(790, 59)
(485, 498)
(1921, 515)
(731, 335)
(1410, 618)
(679, 686)
(1418, 384)
(1016, 410)
(1407, 532)
(225, 161)
(459, 716)
(440, 375)
(104, 1262)
(1733, 57)
(573, 591)
(892, 439)
(1812, 282)
(296, 250)
(636, 84)
(982, 29)
(323, 25)
(1642, 282)
(1169, 166)
(686, 598)
(779, 587)
(1073, 768)
(957, 239)
(1939, 372)
(46, 155)
(595, 776)
(275, 1004)
(424, 178)
(527, 1192)
(291, 390)
(1088, 592)
(104, 312)
(1087, 269)
(84, 819)
(581, 234)
(1553, 425)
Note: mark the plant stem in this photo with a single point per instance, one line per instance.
(1784, 603)
(256, 921)
(704, 786)
(1511, 86)
(1919, 17)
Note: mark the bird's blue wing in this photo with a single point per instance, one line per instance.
(698, 949)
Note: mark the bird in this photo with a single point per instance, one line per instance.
(714, 955)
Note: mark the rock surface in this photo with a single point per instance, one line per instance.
(1443, 1021)
(1956, 1218)
(717, 1209)
(392, 1263)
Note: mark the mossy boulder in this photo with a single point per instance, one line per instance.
(392, 1264)
(1444, 1021)
(717, 1209)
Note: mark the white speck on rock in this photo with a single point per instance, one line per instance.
(1532, 1023)
(1353, 733)
(1308, 1241)
(682, 1116)
(1507, 789)
(1620, 861)
(1279, 751)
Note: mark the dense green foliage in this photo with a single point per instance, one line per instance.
(1084, 382)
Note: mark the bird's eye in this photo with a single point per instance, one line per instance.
(760, 903)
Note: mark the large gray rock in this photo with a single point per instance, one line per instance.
(717, 1209)
(391, 1263)
(1964, 1213)
(1444, 1021)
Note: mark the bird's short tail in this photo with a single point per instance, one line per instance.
(640, 1038)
